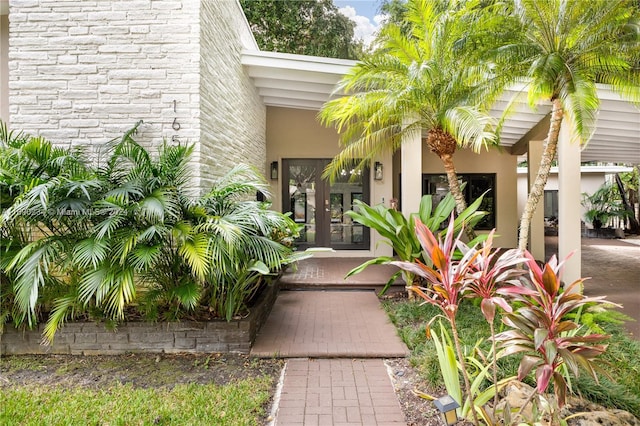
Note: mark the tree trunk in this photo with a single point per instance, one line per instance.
(456, 191)
(550, 148)
(444, 146)
(634, 227)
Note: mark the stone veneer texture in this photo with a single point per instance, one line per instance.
(83, 72)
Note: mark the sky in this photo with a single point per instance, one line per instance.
(364, 13)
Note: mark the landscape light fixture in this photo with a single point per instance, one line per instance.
(377, 171)
(274, 170)
(446, 405)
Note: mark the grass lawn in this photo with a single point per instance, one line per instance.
(621, 361)
(192, 404)
(142, 389)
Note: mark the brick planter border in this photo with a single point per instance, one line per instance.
(88, 338)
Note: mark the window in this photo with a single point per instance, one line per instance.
(476, 185)
(550, 204)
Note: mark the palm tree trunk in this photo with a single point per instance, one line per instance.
(634, 227)
(456, 191)
(550, 148)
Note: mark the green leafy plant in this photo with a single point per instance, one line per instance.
(618, 389)
(128, 239)
(541, 330)
(543, 317)
(48, 189)
(399, 231)
(446, 277)
(603, 205)
(240, 243)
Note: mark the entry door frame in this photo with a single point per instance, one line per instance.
(323, 212)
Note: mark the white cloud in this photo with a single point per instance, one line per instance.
(365, 29)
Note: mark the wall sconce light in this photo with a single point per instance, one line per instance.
(446, 405)
(377, 171)
(274, 170)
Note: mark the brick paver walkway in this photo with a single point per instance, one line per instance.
(328, 324)
(338, 392)
(335, 374)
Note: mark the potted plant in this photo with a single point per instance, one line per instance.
(602, 206)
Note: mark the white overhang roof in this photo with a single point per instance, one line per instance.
(307, 82)
(294, 81)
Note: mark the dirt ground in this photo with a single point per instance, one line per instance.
(140, 370)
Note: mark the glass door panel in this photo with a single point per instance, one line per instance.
(321, 207)
(301, 183)
(345, 234)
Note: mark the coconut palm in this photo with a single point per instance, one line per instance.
(565, 48)
(414, 81)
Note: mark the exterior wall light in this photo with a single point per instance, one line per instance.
(377, 171)
(274, 170)
(446, 405)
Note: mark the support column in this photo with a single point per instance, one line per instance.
(411, 180)
(569, 238)
(536, 232)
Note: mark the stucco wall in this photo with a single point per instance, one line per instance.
(233, 117)
(504, 165)
(295, 133)
(589, 183)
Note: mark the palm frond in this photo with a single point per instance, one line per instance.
(195, 251)
(90, 252)
(64, 308)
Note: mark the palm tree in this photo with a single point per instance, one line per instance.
(46, 190)
(242, 247)
(414, 81)
(565, 48)
(128, 235)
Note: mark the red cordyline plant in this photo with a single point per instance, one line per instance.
(542, 330)
(446, 278)
(491, 270)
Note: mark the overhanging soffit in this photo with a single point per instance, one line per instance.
(536, 133)
(307, 82)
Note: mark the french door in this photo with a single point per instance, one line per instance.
(321, 206)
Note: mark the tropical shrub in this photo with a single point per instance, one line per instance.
(241, 249)
(445, 277)
(126, 238)
(603, 205)
(398, 230)
(541, 314)
(541, 329)
(44, 190)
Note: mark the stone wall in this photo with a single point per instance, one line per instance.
(83, 72)
(194, 337)
(233, 116)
